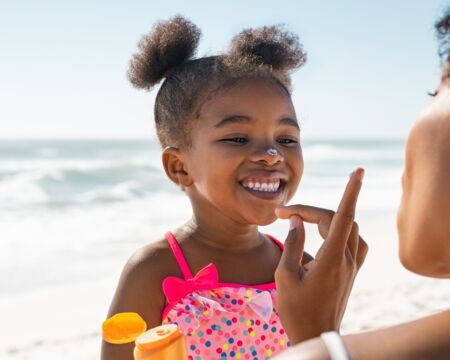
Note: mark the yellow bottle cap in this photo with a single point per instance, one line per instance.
(158, 337)
(123, 328)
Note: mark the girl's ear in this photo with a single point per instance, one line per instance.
(175, 167)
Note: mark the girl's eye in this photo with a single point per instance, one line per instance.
(287, 141)
(236, 139)
(432, 93)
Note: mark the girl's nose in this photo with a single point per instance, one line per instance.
(269, 155)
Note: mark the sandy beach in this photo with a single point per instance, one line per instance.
(65, 320)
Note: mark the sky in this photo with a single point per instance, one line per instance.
(63, 64)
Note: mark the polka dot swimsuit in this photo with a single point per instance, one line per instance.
(222, 320)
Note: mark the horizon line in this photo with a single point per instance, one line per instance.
(153, 138)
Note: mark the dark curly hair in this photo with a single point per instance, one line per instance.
(443, 35)
(167, 51)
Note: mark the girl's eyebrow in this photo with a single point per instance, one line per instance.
(242, 119)
(233, 119)
(289, 121)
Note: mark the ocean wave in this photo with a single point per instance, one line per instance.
(23, 189)
(53, 186)
(76, 164)
(121, 192)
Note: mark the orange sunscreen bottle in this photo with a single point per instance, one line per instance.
(161, 343)
(165, 342)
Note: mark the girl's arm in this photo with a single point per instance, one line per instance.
(426, 338)
(424, 213)
(139, 290)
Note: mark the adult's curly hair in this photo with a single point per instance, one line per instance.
(167, 51)
(443, 35)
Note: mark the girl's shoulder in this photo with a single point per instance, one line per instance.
(140, 285)
(153, 261)
(139, 289)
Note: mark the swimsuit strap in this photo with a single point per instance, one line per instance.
(176, 249)
(276, 241)
(181, 260)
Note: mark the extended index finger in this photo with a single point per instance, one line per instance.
(342, 222)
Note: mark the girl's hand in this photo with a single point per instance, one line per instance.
(312, 298)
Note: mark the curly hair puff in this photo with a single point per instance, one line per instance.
(167, 53)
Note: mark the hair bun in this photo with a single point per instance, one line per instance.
(169, 44)
(269, 46)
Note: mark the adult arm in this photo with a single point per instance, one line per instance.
(426, 338)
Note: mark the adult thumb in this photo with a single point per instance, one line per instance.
(293, 246)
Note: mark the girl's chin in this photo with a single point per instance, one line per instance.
(265, 220)
(263, 215)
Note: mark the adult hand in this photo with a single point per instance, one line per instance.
(312, 297)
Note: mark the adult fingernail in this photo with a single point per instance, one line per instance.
(294, 221)
(360, 173)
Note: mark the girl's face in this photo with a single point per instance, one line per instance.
(231, 169)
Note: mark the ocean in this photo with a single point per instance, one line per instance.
(70, 209)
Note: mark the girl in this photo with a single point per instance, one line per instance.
(231, 143)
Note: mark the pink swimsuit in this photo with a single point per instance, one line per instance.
(222, 320)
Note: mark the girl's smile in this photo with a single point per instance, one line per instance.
(266, 185)
(231, 168)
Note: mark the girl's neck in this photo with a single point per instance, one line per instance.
(223, 234)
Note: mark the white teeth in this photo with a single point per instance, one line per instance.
(262, 186)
